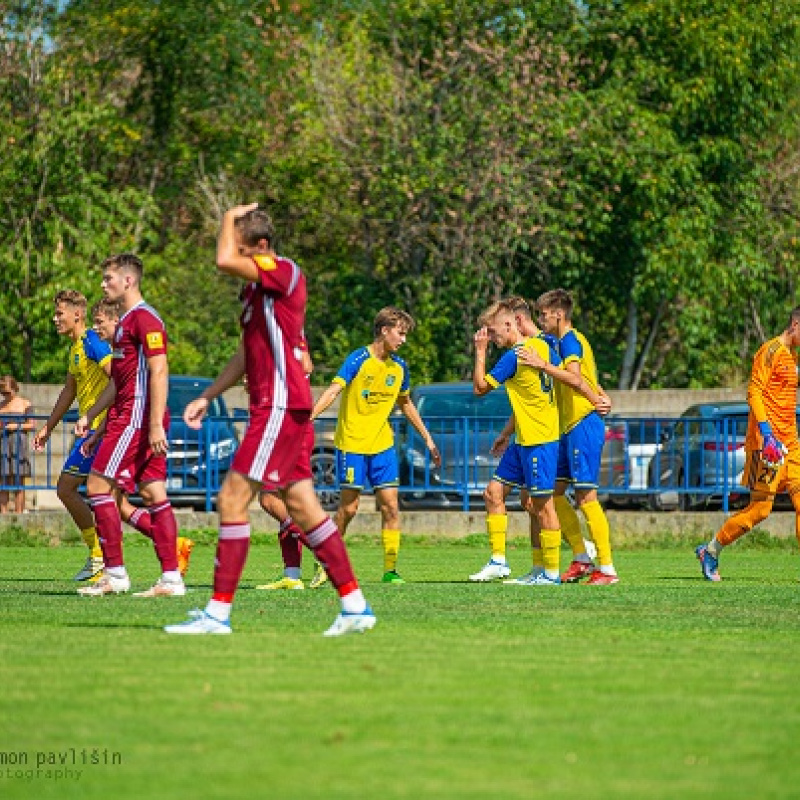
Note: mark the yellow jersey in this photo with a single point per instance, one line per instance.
(572, 405)
(530, 392)
(371, 388)
(87, 357)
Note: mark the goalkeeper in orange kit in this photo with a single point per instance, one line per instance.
(772, 446)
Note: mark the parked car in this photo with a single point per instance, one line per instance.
(704, 450)
(198, 459)
(642, 438)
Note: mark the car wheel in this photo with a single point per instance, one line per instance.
(323, 473)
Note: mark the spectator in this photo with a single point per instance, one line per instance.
(15, 463)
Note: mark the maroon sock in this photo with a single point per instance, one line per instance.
(165, 535)
(109, 528)
(142, 522)
(329, 549)
(291, 546)
(232, 549)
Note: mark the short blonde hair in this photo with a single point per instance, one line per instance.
(391, 317)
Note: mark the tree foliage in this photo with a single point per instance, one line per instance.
(429, 154)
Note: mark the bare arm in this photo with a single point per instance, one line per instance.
(229, 260)
(159, 382)
(66, 398)
(325, 400)
(479, 383)
(231, 374)
(406, 405)
(500, 444)
(84, 424)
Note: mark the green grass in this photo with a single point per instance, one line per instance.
(663, 686)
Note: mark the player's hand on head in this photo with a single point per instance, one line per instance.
(240, 211)
(481, 339)
(193, 413)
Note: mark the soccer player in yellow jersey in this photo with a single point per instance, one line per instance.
(530, 463)
(88, 369)
(772, 447)
(582, 436)
(372, 381)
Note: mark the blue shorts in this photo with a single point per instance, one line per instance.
(531, 467)
(77, 463)
(354, 470)
(579, 453)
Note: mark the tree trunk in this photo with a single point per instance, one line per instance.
(629, 360)
(648, 345)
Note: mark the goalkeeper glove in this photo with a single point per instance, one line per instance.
(772, 451)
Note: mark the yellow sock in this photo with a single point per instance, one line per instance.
(496, 527)
(551, 549)
(391, 547)
(570, 525)
(597, 523)
(92, 542)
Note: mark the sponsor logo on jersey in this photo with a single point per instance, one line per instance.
(266, 263)
(155, 340)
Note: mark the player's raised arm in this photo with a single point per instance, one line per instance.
(479, 383)
(230, 259)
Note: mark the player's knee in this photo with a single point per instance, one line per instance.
(493, 496)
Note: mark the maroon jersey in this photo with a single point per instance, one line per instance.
(139, 335)
(272, 321)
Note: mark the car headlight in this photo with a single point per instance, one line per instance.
(223, 449)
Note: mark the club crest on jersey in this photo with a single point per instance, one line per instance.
(267, 263)
(390, 379)
(155, 340)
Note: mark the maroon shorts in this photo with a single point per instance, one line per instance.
(276, 449)
(124, 456)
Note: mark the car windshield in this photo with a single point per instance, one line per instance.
(464, 403)
(181, 396)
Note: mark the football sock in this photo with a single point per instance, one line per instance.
(89, 536)
(739, 524)
(165, 535)
(141, 521)
(329, 549)
(117, 572)
(496, 527)
(109, 528)
(714, 547)
(551, 547)
(219, 609)
(291, 546)
(597, 523)
(571, 527)
(232, 548)
(173, 576)
(354, 602)
(391, 546)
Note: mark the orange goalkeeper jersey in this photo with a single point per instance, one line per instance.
(772, 394)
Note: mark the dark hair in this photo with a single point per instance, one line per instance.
(8, 380)
(559, 299)
(127, 262)
(255, 226)
(390, 317)
(111, 308)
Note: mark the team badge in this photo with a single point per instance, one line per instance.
(155, 340)
(390, 379)
(267, 263)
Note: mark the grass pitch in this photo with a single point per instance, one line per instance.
(664, 686)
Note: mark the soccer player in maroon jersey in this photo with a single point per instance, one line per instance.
(271, 355)
(134, 448)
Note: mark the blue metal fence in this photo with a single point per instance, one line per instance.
(660, 462)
